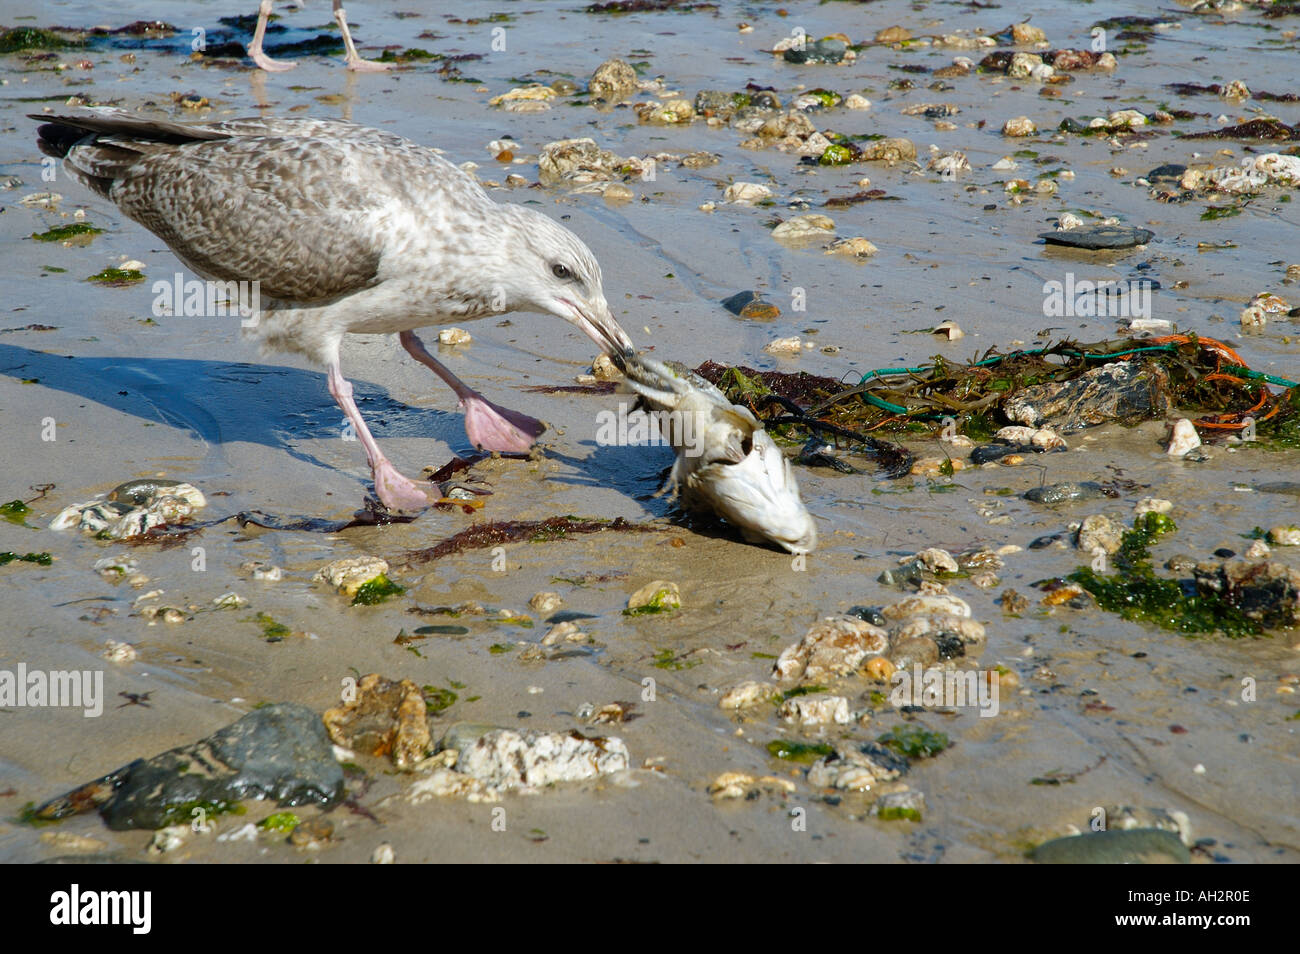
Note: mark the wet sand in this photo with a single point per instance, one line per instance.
(186, 398)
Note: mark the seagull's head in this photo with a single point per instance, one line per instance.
(556, 273)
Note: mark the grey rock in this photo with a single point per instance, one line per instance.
(1060, 493)
(1093, 237)
(1135, 846)
(279, 752)
(1122, 391)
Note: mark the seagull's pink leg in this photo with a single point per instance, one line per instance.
(255, 48)
(489, 426)
(395, 491)
(355, 62)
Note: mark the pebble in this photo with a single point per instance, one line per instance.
(454, 336)
(383, 854)
(1060, 493)
(662, 594)
(1020, 126)
(546, 603)
(888, 150)
(746, 193)
(739, 785)
(816, 710)
(262, 571)
(748, 694)
(509, 760)
(1183, 438)
(856, 101)
(349, 575)
(935, 559)
(565, 632)
(857, 247)
(1284, 536)
(1099, 531)
(1099, 237)
(784, 346)
(612, 79)
(803, 227)
(382, 718)
(833, 646)
(897, 805)
(117, 652)
(1114, 847)
(1152, 505)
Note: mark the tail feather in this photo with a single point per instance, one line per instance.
(100, 144)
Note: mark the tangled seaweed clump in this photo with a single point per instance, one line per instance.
(997, 388)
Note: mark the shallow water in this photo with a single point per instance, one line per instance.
(188, 398)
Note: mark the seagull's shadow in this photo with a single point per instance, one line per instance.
(223, 402)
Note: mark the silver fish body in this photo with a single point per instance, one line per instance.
(726, 463)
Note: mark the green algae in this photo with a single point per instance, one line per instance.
(805, 752)
(18, 39)
(117, 277)
(667, 659)
(914, 741)
(437, 699)
(14, 511)
(40, 559)
(897, 813)
(1137, 594)
(376, 591)
(272, 631)
(62, 233)
(280, 821)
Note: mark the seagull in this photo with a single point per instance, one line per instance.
(343, 229)
(354, 60)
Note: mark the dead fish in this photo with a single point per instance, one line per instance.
(726, 463)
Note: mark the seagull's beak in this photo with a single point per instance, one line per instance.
(601, 327)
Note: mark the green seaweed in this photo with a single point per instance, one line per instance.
(61, 233)
(280, 821)
(836, 156)
(792, 751)
(499, 649)
(667, 659)
(1137, 594)
(272, 631)
(14, 511)
(1219, 212)
(117, 277)
(898, 812)
(376, 591)
(40, 559)
(389, 56)
(914, 741)
(662, 602)
(436, 700)
(30, 38)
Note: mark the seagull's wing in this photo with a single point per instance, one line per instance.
(305, 208)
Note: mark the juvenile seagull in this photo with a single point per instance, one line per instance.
(354, 60)
(346, 229)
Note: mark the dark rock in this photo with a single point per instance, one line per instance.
(751, 305)
(869, 614)
(987, 453)
(1265, 591)
(1123, 391)
(823, 51)
(1060, 493)
(1133, 846)
(278, 752)
(1170, 172)
(1099, 236)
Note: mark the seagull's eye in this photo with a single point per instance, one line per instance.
(562, 272)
